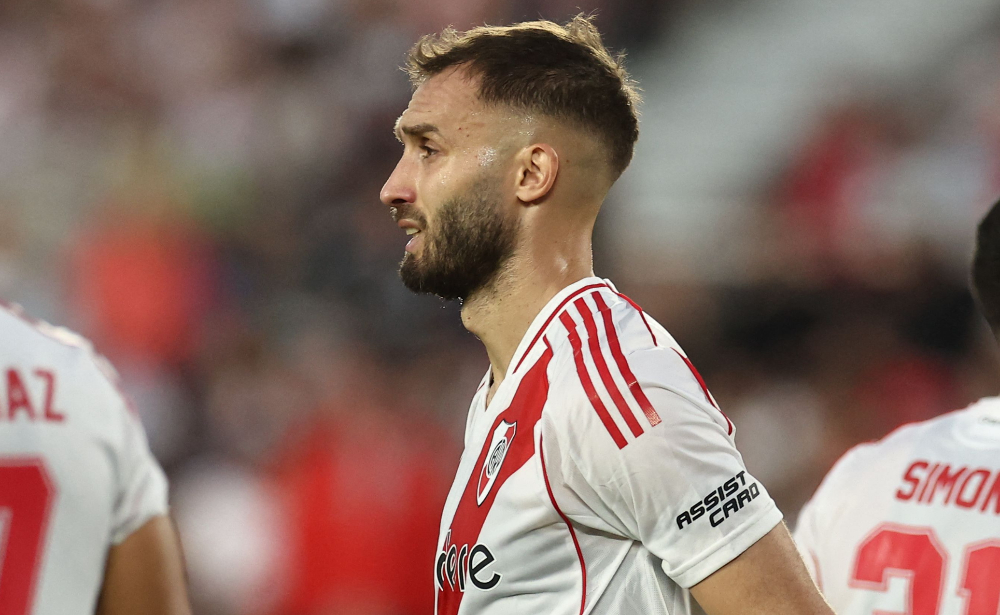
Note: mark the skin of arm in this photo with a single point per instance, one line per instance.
(768, 578)
(145, 573)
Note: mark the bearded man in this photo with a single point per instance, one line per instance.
(598, 476)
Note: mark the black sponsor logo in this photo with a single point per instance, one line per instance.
(727, 499)
(457, 566)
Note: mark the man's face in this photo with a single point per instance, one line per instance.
(448, 190)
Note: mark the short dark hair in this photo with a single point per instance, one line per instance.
(986, 267)
(541, 67)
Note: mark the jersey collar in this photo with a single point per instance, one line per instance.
(533, 335)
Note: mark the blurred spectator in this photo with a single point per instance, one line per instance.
(143, 285)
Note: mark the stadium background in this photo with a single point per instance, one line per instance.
(194, 185)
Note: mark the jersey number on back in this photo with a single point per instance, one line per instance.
(26, 496)
(917, 554)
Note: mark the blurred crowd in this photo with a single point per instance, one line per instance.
(858, 316)
(193, 184)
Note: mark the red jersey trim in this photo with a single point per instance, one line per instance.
(602, 367)
(642, 314)
(704, 388)
(626, 371)
(572, 532)
(548, 320)
(471, 513)
(588, 385)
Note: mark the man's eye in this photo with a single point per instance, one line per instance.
(427, 151)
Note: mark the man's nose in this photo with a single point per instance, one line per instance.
(398, 189)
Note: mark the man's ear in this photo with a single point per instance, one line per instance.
(539, 166)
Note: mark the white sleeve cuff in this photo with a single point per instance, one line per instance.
(727, 549)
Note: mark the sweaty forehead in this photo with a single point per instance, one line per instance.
(450, 102)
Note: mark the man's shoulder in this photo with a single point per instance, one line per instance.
(616, 319)
(912, 436)
(615, 369)
(22, 331)
(65, 361)
(603, 338)
(893, 451)
(603, 319)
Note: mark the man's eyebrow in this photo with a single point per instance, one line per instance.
(416, 130)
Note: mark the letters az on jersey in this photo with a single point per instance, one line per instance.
(76, 474)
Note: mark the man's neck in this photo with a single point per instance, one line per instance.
(501, 314)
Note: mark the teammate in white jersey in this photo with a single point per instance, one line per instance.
(598, 476)
(911, 524)
(83, 504)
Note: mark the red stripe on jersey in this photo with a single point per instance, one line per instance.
(466, 525)
(697, 376)
(616, 352)
(548, 320)
(572, 532)
(641, 314)
(704, 387)
(602, 367)
(588, 385)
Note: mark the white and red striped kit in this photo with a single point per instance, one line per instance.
(600, 479)
(911, 524)
(76, 474)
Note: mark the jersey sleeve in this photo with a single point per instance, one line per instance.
(143, 488)
(141, 485)
(679, 487)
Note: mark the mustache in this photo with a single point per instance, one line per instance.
(407, 212)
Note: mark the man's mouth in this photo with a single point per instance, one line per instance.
(411, 225)
(412, 231)
(416, 240)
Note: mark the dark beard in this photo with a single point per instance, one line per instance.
(471, 241)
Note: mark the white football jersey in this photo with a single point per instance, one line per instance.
(600, 479)
(76, 474)
(911, 524)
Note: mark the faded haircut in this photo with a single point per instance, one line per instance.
(542, 68)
